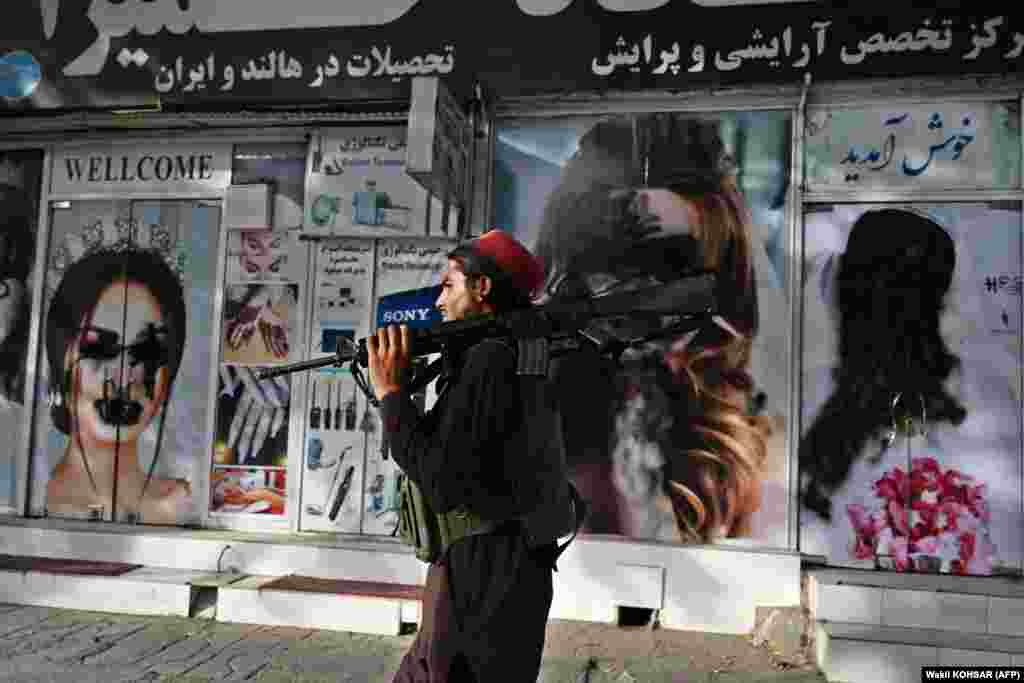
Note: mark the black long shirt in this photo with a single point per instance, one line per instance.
(462, 452)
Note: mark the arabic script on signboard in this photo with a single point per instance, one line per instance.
(915, 146)
(786, 49)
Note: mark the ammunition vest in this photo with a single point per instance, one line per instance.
(551, 506)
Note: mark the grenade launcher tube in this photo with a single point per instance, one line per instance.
(692, 296)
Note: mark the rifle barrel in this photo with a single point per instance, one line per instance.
(312, 364)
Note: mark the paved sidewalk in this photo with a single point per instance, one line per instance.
(40, 644)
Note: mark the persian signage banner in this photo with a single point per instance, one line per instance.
(66, 54)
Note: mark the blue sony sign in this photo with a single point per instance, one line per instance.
(413, 307)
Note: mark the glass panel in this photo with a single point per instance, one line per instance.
(911, 387)
(957, 144)
(408, 273)
(264, 276)
(20, 184)
(339, 418)
(119, 426)
(607, 200)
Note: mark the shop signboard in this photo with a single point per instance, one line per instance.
(116, 54)
(952, 144)
(146, 169)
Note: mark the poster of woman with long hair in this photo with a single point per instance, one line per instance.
(690, 446)
(910, 453)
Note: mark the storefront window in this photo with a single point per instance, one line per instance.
(20, 180)
(685, 440)
(910, 454)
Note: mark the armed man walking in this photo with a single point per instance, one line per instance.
(485, 466)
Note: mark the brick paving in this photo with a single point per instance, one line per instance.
(69, 646)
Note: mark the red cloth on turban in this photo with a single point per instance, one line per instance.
(525, 270)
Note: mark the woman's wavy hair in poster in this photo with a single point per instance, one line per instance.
(891, 287)
(697, 399)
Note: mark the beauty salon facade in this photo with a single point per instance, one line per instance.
(291, 215)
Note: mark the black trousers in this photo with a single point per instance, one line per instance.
(485, 612)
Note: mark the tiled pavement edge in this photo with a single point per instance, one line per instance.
(67, 646)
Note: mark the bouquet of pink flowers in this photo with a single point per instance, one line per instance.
(933, 518)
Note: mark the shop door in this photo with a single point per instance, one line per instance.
(121, 422)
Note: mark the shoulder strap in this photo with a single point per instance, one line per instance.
(580, 509)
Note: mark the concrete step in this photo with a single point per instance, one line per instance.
(993, 606)
(306, 602)
(884, 626)
(146, 590)
(856, 653)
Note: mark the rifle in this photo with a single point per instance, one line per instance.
(555, 328)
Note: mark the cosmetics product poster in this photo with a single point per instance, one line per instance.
(334, 455)
(358, 185)
(383, 476)
(408, 274)
(342, 290)
(20, 181)
(919, 468)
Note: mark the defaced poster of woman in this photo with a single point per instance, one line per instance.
(126, 389)
(910, 456)
(682, 439)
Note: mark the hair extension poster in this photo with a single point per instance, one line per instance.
(684, 441)
(124, 356)
(918, 469)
